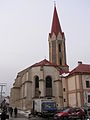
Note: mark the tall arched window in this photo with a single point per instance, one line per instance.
(60, 61)
(36, 82)
(59, 47)
(48, 86)
(36, 86)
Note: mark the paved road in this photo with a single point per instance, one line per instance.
(34, 118)
(18, 118)
(21, 117)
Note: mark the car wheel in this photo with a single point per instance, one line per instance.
(61, 118)
(83, 118)
(65, 118)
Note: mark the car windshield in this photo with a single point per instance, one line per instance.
(49, 105)
(66, 110)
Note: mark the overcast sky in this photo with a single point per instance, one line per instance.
(24, 29)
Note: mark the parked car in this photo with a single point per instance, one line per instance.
(70, 113)
(27, 113)
(4, 114)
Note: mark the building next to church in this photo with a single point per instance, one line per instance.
(78, 86)
(52, 79)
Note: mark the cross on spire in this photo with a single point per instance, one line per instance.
(56, 27)
(54, 3)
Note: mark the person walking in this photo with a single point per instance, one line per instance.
(11, 111)
(15, 111)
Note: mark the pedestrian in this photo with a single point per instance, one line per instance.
(3, 115)
(11, 111)
(88, 116)
(15, 112)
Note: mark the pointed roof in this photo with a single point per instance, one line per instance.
(44, 63)
(41, 63)
(56, 27)
(81, 68)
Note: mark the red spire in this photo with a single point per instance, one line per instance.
(56, 28)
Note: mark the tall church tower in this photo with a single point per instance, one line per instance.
(57, 50)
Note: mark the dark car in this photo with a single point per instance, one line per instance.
(7, 115)
(70, 113)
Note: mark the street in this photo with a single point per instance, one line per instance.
(33, 118)
(22, 117)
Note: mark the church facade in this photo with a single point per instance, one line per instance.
(40, 80)
(50, 79)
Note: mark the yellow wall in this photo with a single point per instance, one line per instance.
(71, 83)
(72, 99)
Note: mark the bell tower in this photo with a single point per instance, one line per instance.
(57, 49)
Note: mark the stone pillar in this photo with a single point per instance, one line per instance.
(58, 93)
(28, 89)
(42, 87)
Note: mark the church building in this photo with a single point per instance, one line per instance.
(50, 79)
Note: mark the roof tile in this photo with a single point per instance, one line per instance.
(44, 63)
(82, 68)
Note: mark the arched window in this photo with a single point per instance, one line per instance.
(60, 61)
(36, 82)
(48, 86)
(48, 82)
(59, 47)
(36, 86)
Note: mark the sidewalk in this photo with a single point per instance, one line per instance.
(19, 117)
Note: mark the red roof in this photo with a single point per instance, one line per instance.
(82, 68)
(56, 28)
(44, 63)
(63, 71)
